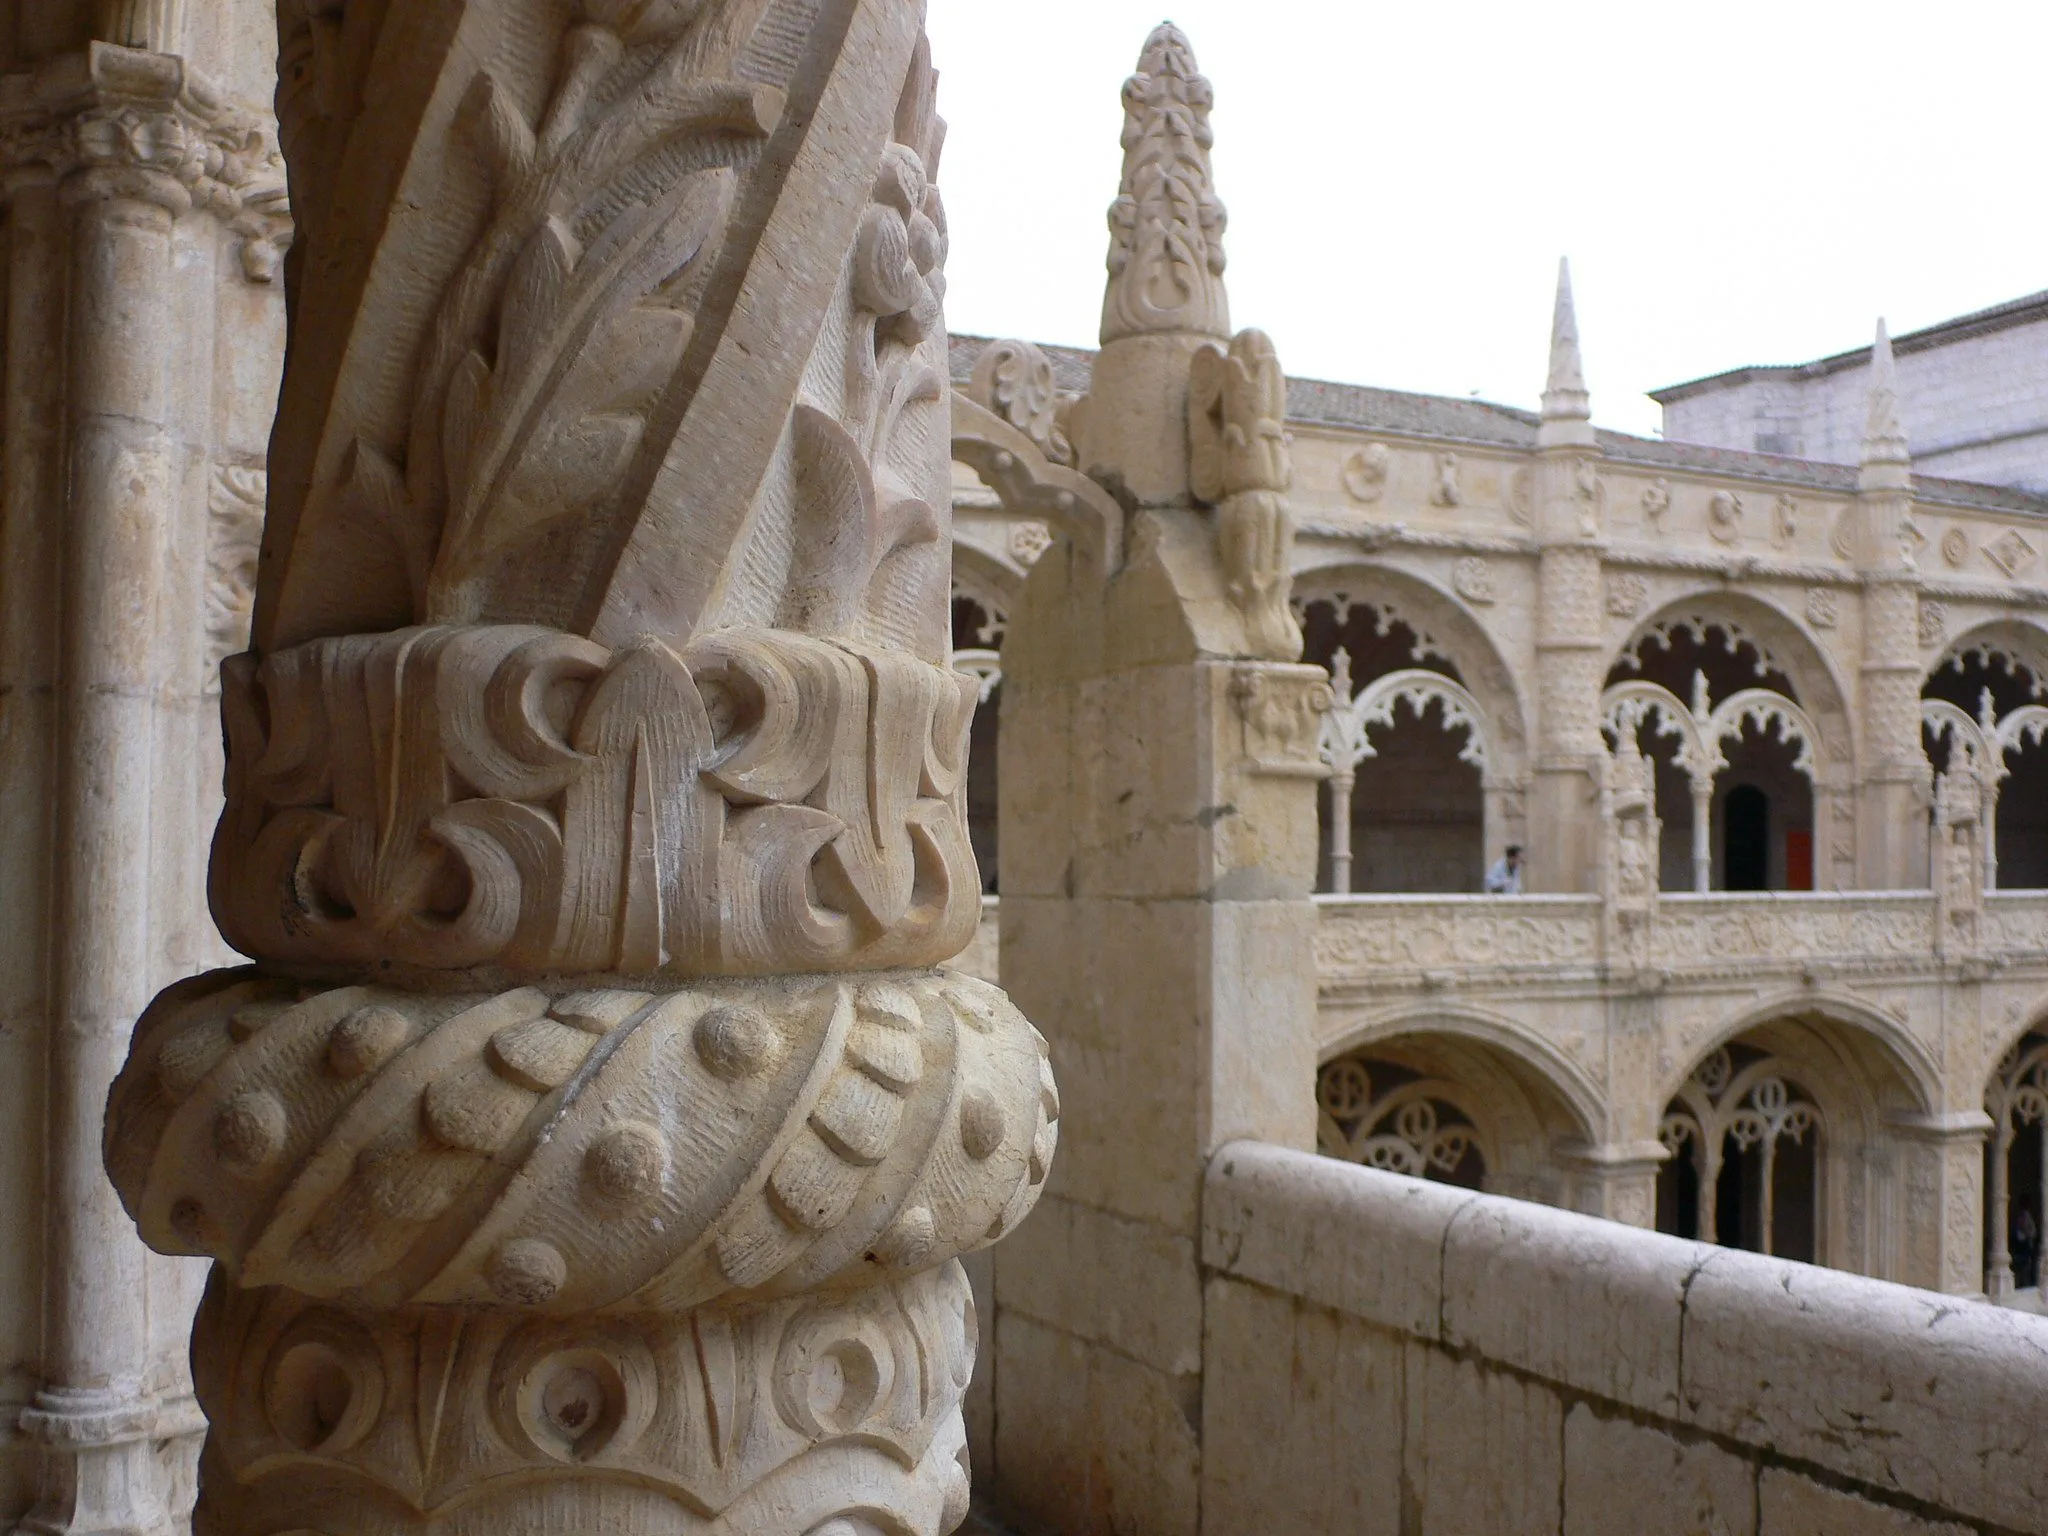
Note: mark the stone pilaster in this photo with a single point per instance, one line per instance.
(593, 1141)
(1159, 850)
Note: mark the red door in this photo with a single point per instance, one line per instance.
(1798, 859)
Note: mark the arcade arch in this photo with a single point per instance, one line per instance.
(2016, 1168)
(1441, 1099)
(1987, 700)
(1781, 1141)
(1744, 723)
(1425, 744)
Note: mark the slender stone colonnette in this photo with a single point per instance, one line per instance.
(591, 1145)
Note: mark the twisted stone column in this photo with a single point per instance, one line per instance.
(592, 1143)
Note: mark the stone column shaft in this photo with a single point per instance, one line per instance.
(1892, 825)
(1564, 819)
(100, 1471)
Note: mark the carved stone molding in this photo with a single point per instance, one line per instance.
(571, 1148)
(447, 798)
(234, 538)
(639, 1422)
(1014, 380)
(125, 121)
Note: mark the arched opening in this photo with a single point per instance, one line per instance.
(1416, 801)
(1745, 1157)
(1452, 1109)
(1784, 1140)
(977, 649)
(1999, 683)
(1759, 803)
(2016, 1172)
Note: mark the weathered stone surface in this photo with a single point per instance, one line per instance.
(1621, 1478)
(1793, 1504)
(1899, 1394)
(592, 1143)
(1301, 1418)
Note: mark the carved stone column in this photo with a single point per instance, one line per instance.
(591, 1145)
(1158, 784)
(1564, 851)
(122, 167)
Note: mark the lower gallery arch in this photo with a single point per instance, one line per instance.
(1792, 1135)
(2016, 1170)
(1429, 1099)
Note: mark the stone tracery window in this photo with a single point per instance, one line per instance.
(2016, 1169)
(1390, 1117)
(1745, 1145)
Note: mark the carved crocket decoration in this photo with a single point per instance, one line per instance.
(591, 1141)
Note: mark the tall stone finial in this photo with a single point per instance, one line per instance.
(1887, 462)
(1567, 408)
(1166, 225)
(591, 1142)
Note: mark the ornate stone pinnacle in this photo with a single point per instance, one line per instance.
(592, 1142)
(1886, 456)
(1567, 408)
(1166, 225)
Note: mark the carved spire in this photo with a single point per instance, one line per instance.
(1887, 462)
(596, 805)
(1166, 226)
(1567, 408)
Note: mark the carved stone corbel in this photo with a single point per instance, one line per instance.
(591, 1142)
(1239, 463)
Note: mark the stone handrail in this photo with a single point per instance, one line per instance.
(1632, 1380)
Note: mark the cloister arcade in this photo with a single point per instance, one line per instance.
(1754, 995)
(1783, 1136)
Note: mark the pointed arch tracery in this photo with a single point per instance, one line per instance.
(1432, 811)
(1346, 739)
(1701, 731)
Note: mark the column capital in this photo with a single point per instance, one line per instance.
(115, 123)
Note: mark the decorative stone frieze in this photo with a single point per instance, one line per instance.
(592, 1143)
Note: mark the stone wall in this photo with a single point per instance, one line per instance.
(1974, 397)
(1399, 1356)
(1386, 1355)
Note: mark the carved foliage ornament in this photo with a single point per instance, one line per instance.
(1166, 226)
(596, 435)
(1014, 379)
(508, 795)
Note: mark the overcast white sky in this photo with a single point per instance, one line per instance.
(1741, 181)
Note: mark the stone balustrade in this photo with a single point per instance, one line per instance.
(1388, 1355)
